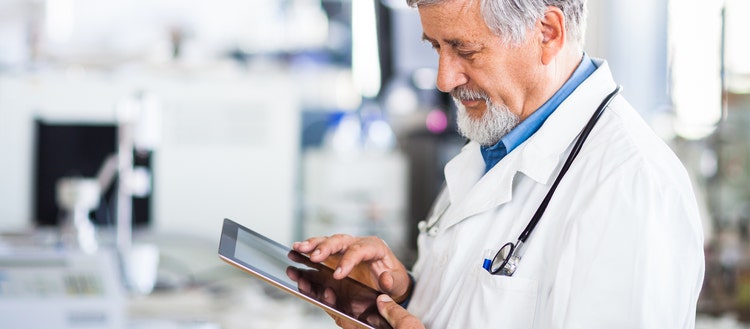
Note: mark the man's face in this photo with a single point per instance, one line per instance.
(474, 61)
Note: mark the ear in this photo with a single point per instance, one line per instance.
(553, 33)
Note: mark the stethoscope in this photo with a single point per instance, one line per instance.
(507, 258)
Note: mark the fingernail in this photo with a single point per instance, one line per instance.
(338, 271)
(385, 298)
(316, 252)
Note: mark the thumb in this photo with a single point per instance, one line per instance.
(396, 315)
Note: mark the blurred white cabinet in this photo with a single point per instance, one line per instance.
(229, 149)
(357, 194)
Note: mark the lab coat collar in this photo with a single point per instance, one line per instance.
(463, 172)
(471, 191)
(544, 152)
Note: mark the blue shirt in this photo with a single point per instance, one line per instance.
(493, 154)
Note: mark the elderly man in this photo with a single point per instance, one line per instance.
(602, 222)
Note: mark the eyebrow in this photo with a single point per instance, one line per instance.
(455, 43)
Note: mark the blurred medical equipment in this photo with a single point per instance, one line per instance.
(356, 181)
(59, 289)
(77, 197)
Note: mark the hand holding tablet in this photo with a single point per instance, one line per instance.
(293, 272)
(319, 284)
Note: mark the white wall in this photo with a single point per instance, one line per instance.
(632, 37)
(229, 144)
(230, 149)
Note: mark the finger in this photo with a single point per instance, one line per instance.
(336, 318)
(320, 248)
(386, 281)
(329, 297)
(304, 286)
(308, 245)
(396, 315)
(332, 245)
(292, 273)
(395, 283)
(365, 249)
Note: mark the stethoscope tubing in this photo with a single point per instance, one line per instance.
(573, 154)
(429, 227)
(506, 264)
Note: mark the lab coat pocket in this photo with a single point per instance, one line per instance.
(497, 301)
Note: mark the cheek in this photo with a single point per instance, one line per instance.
(504, 76)
(508, 87)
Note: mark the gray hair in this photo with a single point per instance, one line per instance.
(510, 19)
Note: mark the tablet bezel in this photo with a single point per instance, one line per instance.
(227, 245)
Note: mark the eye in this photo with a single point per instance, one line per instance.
(467, 54)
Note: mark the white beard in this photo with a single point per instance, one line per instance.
(487, 130)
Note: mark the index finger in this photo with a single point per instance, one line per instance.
(363, 250)
(320, 248)
(308, 245)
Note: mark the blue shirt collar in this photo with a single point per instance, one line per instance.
(493, 154)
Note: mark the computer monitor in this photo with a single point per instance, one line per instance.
(63, 149)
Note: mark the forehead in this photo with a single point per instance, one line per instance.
(454, 20)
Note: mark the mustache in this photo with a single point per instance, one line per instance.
(465, 93)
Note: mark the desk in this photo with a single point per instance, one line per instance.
(194, 290)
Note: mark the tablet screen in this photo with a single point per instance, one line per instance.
(296, 274)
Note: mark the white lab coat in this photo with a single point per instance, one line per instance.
(620, 245)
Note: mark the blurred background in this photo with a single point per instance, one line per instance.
(130, 129)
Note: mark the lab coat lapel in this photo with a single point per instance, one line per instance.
(471, 191)
(463, 171)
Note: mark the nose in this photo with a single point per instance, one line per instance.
(450, 73)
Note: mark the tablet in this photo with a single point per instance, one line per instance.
(283, 268)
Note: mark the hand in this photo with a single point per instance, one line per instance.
(396, 315)
(366, 259)
(315, 281)
(347, 295)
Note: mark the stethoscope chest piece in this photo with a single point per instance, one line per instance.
(506, 260)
